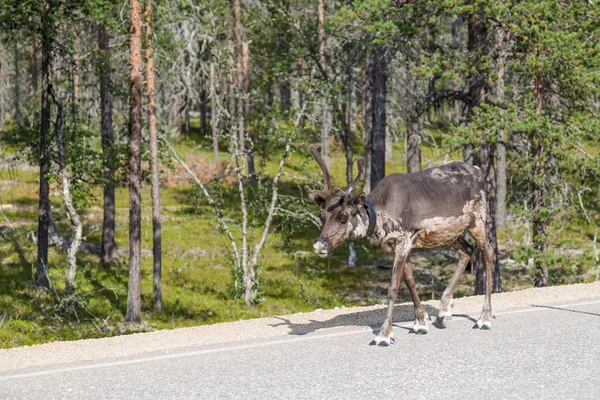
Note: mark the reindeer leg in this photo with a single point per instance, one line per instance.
(478, 234)
(484, 321)
(385, 335)
(464, 253)
(421, 316)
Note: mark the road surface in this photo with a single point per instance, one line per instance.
(544, 344)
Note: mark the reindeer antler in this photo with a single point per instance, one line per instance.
(326, 192)
(360, 164)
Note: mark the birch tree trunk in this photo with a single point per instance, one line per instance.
(108, 249)
(74, 219)
(135, 173)
(156, 220)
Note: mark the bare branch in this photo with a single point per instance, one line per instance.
(210, 201)
(275, 193)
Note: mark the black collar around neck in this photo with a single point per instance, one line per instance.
(372, 217)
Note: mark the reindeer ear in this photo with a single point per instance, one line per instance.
(317, 196)
(319, 199)
(359, 200)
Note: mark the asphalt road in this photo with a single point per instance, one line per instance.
(532, 352)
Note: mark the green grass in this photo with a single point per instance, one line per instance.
(197, 272)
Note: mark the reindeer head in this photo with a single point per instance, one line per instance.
(341, 212)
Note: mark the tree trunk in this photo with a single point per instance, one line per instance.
(108, 250)
(501, 147)
(135, 173)
(301, 96)
(214, 119)
(186, 115)
(75, 83)
(153, 135)
(486, 162)
(202, 106)
(17, 84)
(538, 200)
(477, 88)
(240, 75)
(74, 219)
(246, 70)
(33, 67)
(414, 125)
(41, 274)
(413, 143)
(285, 96)
(342, 122)
(367, 111)
(379, 115)
(242, 55)
(322, 61)
(484, 158)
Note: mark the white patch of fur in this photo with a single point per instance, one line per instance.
(438, 174)
(382, 339)
(398, 241)
(359, 231)
(418, 327)
(434, 224)
(318, 247)
(481, 324)
(383, 219)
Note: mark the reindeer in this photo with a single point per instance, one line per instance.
(425, 209)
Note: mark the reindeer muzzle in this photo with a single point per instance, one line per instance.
(322, 247)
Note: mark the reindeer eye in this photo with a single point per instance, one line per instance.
(343, 218)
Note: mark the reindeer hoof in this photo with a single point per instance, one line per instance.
(483, 325)
(382, 341)
(419, 329)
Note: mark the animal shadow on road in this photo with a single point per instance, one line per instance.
(371, 318)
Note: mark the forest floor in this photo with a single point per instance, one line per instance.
(198, 279)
